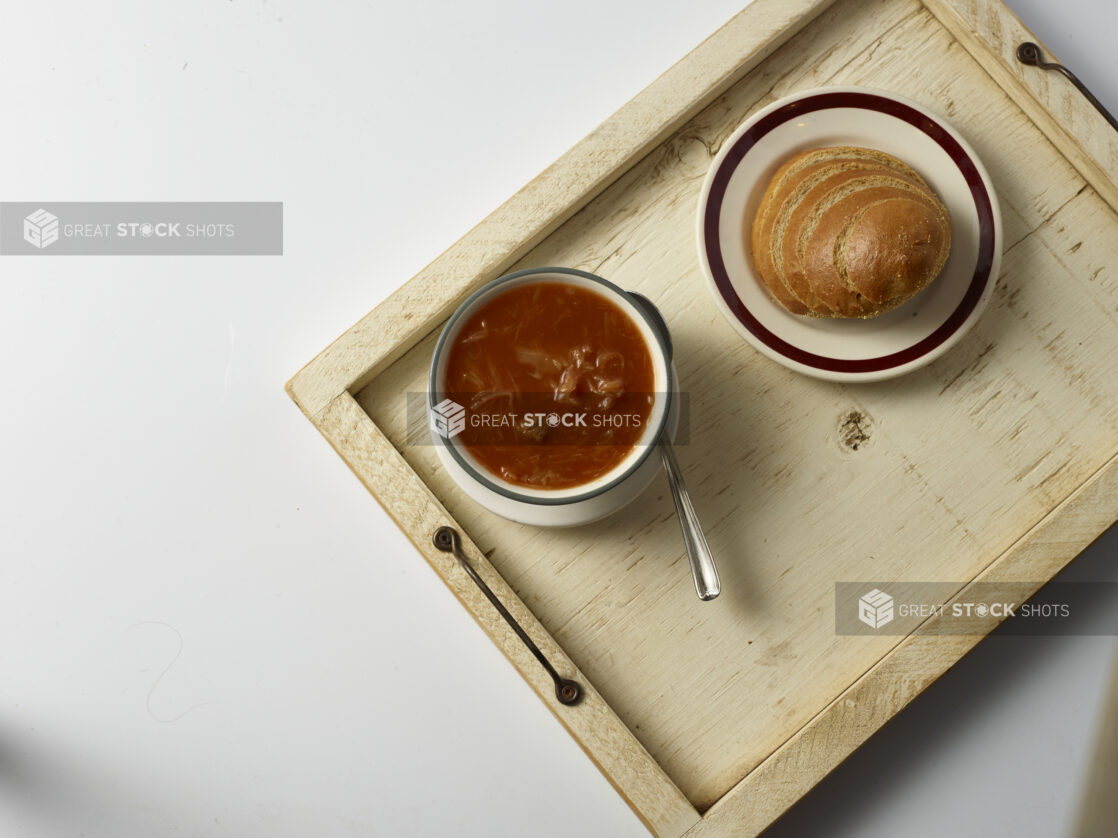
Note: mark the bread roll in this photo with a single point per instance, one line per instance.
(848, 232)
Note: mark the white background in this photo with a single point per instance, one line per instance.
(207, 627)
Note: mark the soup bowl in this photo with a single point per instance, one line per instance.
(588, 499)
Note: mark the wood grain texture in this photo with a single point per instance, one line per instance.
(606, 740)
(996, 459)
(487, 250)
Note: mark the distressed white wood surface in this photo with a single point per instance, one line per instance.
(738, 700)
(961, 459)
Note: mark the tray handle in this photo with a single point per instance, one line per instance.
(566, 691)
(1029, 53)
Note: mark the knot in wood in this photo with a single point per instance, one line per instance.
(855, 429)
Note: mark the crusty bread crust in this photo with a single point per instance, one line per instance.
(848, 232)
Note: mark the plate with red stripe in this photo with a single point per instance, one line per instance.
(875, 348)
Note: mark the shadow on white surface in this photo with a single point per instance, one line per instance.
(1012, 702)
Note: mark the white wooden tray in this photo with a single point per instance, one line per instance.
(995, 463)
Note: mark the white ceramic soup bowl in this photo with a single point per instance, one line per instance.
(585, 502)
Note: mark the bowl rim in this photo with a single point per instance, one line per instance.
(434, 391)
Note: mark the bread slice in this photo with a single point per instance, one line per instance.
(820, 253)
(892, 248)
(803, 219)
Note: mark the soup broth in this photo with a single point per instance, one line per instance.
(557, 382)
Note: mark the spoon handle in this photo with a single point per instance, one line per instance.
(707, 584)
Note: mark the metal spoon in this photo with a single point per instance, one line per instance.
(707, 583)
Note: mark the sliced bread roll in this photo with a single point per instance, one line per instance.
(804, 214)
(823, 257)
(847, 232)
(787, 187)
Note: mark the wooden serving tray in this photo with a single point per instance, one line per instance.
(994, 463)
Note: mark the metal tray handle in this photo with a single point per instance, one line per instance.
(1030, 54)
(567, 691)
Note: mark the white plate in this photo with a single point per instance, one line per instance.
(850, 350)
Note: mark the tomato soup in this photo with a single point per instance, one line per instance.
(557, 382)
